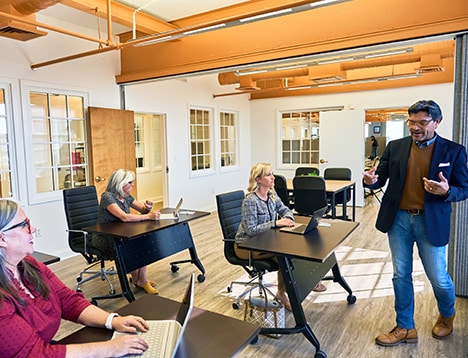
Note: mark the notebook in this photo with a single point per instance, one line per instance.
(302, 229)
(165, 336)
(174, 214)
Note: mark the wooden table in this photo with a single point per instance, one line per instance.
(303, 261)
(45, 258)
(208, 334)
(141, 243)
(334, 187)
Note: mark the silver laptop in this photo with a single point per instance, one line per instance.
(302, 229)
(175, 213)
(165, 336)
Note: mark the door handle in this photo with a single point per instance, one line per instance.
(99, 179)
(323, 161)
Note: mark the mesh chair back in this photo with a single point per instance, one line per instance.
(307, 171)
(81, 210)
(339, 174)
(309, 194)
(230, 215)
(281, 189)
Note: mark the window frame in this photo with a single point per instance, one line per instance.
(236, 166)
(13, 129)
(26, 88)
(212, 153)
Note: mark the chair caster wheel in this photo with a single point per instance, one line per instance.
(201, 277)
(112, 292)
(320, 354)
(351, 299)
(229, 289)
(174, 268)
(79, 279)
(235, 305)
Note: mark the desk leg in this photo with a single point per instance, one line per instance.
(354, 201)
(333, 205)
(126, 290)
(286, 267)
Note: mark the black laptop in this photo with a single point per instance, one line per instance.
(303, 229)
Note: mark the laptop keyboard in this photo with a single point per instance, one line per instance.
(161, 338)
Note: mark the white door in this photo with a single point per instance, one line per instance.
(342, 144)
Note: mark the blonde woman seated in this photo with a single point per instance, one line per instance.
(115, 205)
(262, 209)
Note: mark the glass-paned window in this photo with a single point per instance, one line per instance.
(58, 140)
(200, 139)
(5, 149)
(139, 128)
(228, 138)
(300, 137)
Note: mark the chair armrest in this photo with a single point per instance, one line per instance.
(86, 234)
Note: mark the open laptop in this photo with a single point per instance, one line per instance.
(302, 229)
(174, 214)
(165, 336)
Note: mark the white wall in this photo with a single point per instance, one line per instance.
(174, 98)
(264, 113)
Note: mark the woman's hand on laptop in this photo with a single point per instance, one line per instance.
(129, 324)
(154, 215)
(284, 222)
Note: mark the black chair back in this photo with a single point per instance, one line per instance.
(309, 194)
(281, 189)
(230, 216)
(307, 171)
(339, 174)
(81, 210)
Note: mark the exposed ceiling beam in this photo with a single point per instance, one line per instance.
(122, 14)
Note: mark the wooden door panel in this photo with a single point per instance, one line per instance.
(111, 144)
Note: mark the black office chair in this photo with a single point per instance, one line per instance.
(281, 189)
(338, 174)
(230, 215)
(309, 194)
(307, 171)
(81, 210)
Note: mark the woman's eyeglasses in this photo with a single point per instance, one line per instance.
(25, 223)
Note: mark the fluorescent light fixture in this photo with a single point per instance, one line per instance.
(155, 41)
(388, 53)
(400, 77)
(292, 67)
(203, 29)
(246, 73)
(335, 60)
(268, 14)
(331, 84)
(325, 2)
(298, 88)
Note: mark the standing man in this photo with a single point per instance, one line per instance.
(375, 147)
(426, 173)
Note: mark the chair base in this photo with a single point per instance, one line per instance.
(256, 281)
(104, 273)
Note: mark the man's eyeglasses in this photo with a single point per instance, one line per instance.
(420, 124)
(25, 223)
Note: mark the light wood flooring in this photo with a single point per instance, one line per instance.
(343, 330)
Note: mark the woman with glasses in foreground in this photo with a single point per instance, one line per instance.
(33, 300)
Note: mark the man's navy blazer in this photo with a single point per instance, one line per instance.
(449, 158)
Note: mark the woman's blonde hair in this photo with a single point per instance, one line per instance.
(259, 170)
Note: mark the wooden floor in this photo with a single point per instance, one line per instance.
(343, 330)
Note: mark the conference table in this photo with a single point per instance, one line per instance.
(304, 260)
(333, 187)
(208, 334)
(142, 243)
(45, 258)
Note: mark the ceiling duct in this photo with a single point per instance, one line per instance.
(17, 30)
(327, 73)
(430, 63)
(246, 84)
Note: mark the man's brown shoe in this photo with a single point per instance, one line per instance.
(396, 336)
(443, 328)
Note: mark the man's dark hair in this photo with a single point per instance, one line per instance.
(428, 106)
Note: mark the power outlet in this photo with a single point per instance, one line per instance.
(38, 232)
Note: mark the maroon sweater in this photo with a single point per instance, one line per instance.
(26, 331)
